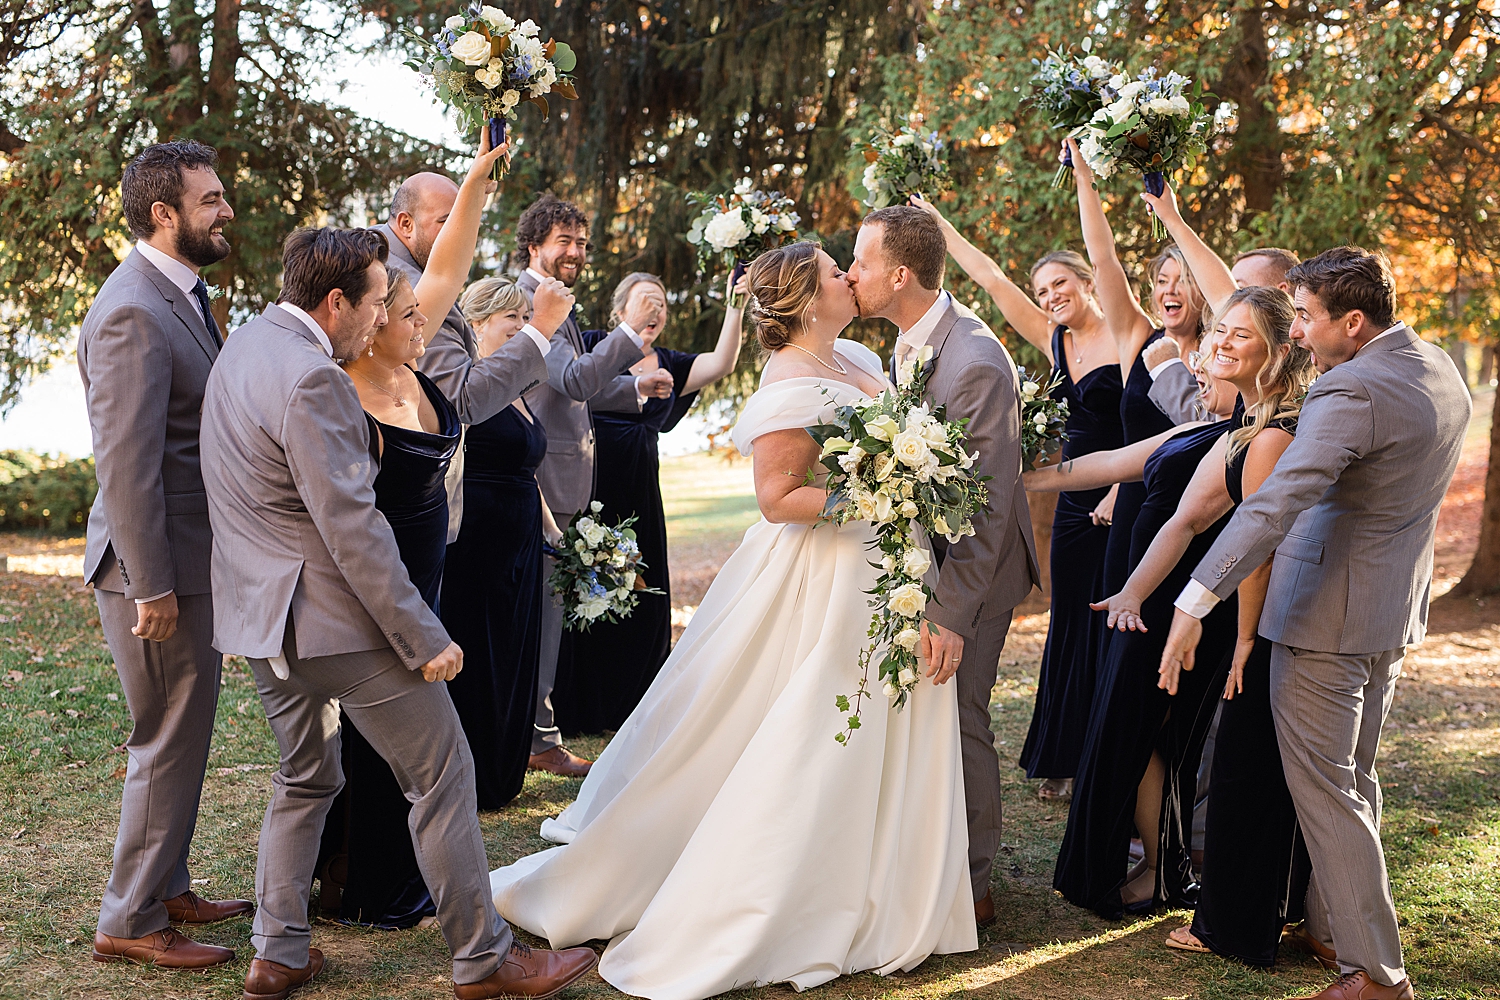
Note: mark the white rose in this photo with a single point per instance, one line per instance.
(1096, 67)
(618, 560)
(864, 503)
(759, 221)
(1131, 90)
(904, 139)
(934, 433)
(911, 449)
(510, 99)
(888, 563)
(891, 691)
(529, 27)
(1118, 81)
(1119, 110)
(595, 506)
(490, 78)
(907, 677)
(787, 221)
(907, 600)
(871, 179)
(1040, 420)
(726, 231)
(885, 464)
(455, 22)
(593, 607)
(1161, 106)
(744, 186)
(497, 19)
(1180, 105)
(907, 638)
(471, 48)
(907, 509)
(916, 562)
(1030, 389)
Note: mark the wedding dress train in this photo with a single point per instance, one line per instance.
(723, 839)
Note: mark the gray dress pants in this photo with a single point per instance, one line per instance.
(1329, 710)
(172, 690)
(547, 735)
(976, 677)
(412, 724)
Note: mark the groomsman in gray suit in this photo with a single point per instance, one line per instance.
(311, 589)
(1349, 514)
(552, 240)
(144, 355)
(897, 274)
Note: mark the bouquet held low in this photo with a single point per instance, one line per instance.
(1044, 419)
(598, 570)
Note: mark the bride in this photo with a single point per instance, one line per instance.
(723, 839)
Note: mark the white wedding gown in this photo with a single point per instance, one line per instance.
(723, 839)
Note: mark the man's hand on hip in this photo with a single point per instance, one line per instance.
(942, 650)
(445, 666)
(156, 620)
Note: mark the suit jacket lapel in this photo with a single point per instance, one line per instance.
(183, 306)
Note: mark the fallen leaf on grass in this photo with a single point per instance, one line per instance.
(14, 675)
(73, 713)
(119, 772)
(40, 713)
(76, 690)
(242, 767)
(17, 834)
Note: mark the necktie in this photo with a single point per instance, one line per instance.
(200, 292)
(902, 353)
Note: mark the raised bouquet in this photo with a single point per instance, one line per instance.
(1154, 124)
(484, 66)
(739, 226)
(897, 464)
(903, 163)
(1044, 419)
(1070, 91)
(598, 570)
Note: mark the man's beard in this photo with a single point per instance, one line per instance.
(201, 247)
(555, 270)
(423, 249)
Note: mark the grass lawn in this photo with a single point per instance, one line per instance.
(61, 716)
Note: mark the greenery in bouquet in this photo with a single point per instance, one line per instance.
(738, 226)
(903, 163)
(897, 464)
(598, 570)
(1154, 124)
(1044, 419)
(484, 65)
(1070, 91)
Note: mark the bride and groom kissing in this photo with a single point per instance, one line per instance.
(724, 839)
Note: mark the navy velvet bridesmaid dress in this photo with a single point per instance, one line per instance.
(1065, 684)
(1133, 717)
(602, 673)
(492, 599)
(1140, 419)
(366, 849)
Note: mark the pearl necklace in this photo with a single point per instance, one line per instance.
(840, 369)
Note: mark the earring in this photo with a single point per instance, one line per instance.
(371, 351)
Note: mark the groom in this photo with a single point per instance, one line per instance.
(897, 274)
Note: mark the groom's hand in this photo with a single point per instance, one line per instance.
(445, 666)
(942, 650)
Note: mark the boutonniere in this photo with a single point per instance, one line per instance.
(215, 293)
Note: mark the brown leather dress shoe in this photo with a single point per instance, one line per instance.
(1359, 986)
(560, 760)
(531, 973)
(268, 980)
(984, 910)
(189, 909)
(1298, 938)
(166, 948)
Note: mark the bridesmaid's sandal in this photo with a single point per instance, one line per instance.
(1183, 939)
(1055, 789)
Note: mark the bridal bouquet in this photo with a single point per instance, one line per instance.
(1043, 419)
(598, 570)
(1070, 92)
(484, 66)
(1152, 124)
(741, 225)
(897, 464)
(900, 164)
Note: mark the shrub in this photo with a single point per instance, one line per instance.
(39, 492)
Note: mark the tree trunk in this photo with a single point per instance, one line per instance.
(1483, 575)
(1256, 154)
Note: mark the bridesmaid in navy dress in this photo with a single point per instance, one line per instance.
(603, 672)
(367, 864)
(1066, 325)
(494, 586)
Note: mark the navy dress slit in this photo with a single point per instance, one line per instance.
(1065, 683)
(367, 863)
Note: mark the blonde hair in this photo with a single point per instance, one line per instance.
(1283, 380)
(783, 285)
(622, 293)
(488, 296)
(1193, 294)
(395, 281)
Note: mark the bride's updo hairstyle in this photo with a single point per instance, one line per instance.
(783, 285)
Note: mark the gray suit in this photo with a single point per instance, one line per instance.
(982, 578)
(144, 355)
(304, 565)
(575, 376)
(1350, 512)
(477, 387)
(1175, 393)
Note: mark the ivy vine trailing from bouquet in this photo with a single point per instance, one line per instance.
(896, 463)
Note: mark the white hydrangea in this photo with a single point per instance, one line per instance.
(726, 231)
(525, 45)
(497, 19)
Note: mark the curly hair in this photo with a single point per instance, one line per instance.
(537, 222)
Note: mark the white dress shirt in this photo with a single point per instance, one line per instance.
(914, 339)
(1156, 372)
(185, 278)
(311, 324)
(1196, 599)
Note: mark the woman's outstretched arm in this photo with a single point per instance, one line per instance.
(1098, 469)
(453, 250)
(1018, 308)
